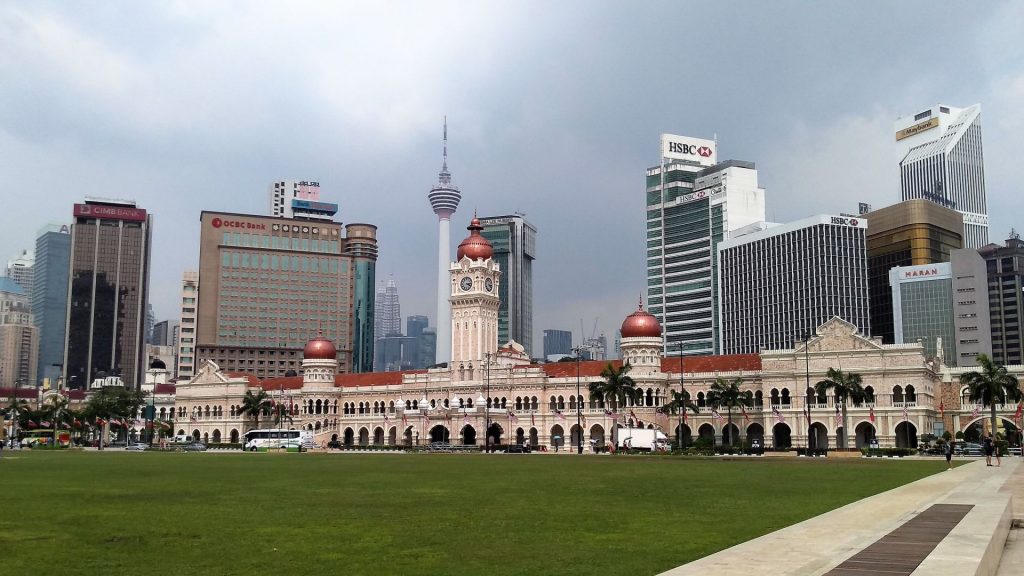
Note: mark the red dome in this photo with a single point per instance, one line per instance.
(319, 348)
(475, 246)
(641, 324)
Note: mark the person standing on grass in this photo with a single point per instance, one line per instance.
(949, 454)
(987, 442)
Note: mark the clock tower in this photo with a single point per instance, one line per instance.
(474, 303)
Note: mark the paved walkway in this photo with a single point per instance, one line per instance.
(817, 545)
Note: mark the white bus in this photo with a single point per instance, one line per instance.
(278, 438)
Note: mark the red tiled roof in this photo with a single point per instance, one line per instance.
(76, 394)
(283, 383)
(372, 378)
(588, 368)
(253, 381)
(723, 363)
(164, 389)
(27, 393)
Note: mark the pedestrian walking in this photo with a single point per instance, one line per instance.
(988, 445)
(949, 454)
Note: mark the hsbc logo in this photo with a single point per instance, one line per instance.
(691, 149)
(845, 221)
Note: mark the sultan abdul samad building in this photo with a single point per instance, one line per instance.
(908, 393)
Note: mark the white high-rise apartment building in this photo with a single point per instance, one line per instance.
(941, 160)
(778, 282)
(22, 270)
(693, 203)
(186, 343)
(299, 199)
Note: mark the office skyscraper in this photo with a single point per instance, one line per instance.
(292, 199)
(270, 284)
(779, 282)
(910, 233)
(186, 341)
(444, 199)
(18, 336)
(693, 203)
(557, 342)
(515, 248)
(50, 297)
(106, 313)
(1006, 298)
(941, 160)
(22, 270)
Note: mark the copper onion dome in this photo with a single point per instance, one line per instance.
(319, 348)
(475, 246)
(641, 324)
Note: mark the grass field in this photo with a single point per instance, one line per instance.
(192, 513)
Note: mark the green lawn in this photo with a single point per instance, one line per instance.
(187, 513)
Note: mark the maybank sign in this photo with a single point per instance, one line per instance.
(684, 148)
(917, 129)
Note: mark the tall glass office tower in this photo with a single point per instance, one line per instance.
(693, 203)
(50, 296)
(515, 248)
(941, 160)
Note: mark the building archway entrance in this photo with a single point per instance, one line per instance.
(378, 437)
(349, 437)
(468, 434)
(782, 438)
(557, 436)
(234, 436)
(707, 433)
(865, 433)
(575, 436)
(407, 437)
(364, 437)
(818, 437)
(520, 436)
(439, 433)
(755, 431)
(730, 434)
(597, 435)
(686, 433)
(393, 436)
(533, 437)
(906, 435)
(494, 433)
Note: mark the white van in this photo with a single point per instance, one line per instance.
(182, 439)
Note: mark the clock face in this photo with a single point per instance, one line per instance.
(488, 284)
(466, 283)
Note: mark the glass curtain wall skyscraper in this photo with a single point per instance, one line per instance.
(941, 160)
(514, 241)
(50, 296)
(693, 203)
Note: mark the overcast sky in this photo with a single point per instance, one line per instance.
(554, 109)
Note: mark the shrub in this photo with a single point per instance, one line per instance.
(888, 451)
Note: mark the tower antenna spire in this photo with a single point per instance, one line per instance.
(444, 161)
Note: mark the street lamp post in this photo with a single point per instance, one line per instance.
(682, 390)
(487, 404)
(579, 402)
(807, 373)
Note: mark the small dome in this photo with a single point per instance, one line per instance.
(319, 348)
(157, 364)
(475, 246)
(641, 324)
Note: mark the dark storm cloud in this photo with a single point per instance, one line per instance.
(554, 110)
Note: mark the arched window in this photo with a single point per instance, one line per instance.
(650, 397)
(869, 394)
(433, 403)
(319, 407)
(207, 411)
(519, 402)
(533, 402)
(391, 407)
(503, 402)
(415, 404)
(700, 400)
(446, 403)
(758, 399)
(897, 394)
(785, 396)
(561, 403)
(554, 404)
(572, 403)
(408, 405)
(911, 394)
(810, 396)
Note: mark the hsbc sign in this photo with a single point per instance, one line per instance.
(685, 148)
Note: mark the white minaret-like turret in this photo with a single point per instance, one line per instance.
(444, 199)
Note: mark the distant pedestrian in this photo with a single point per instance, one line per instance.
(995, 449)
(988, 445)
(949, 454)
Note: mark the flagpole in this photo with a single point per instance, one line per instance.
(682, 390)
(807, 372)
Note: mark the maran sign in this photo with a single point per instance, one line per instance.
(685, 148)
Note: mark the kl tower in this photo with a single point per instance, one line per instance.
(444, 199)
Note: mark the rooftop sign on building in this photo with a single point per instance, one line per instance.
(110, 212)
(686, 148)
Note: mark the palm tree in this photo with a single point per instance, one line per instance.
(256, 405)
(991, 385)
(617, 386)
(727, 393)
(844, 386)
(55, 405)
(680, 402)
(17, 408)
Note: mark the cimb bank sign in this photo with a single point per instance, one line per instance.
(686, 148)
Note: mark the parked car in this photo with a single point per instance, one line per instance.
(334, 444)
(137, 446)
(439, 447)
(517, 449)
(968, 449)
(195, 447)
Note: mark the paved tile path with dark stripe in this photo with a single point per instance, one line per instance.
(902, 550)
